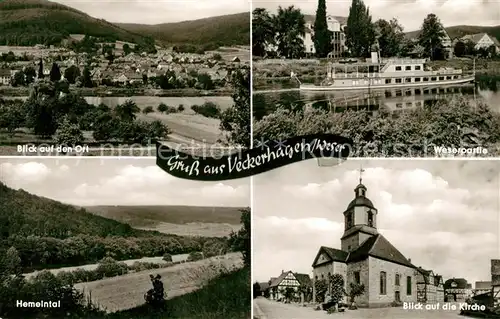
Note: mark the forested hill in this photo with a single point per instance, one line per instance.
(48, 234)
(461, 30)
(31, 22)
(24, 214)
(227, 30)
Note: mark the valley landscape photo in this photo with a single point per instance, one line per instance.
(90, 233)
(97, 74)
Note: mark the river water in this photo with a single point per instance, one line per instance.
(486, 90)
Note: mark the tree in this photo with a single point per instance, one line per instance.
(12, 262)
(126, 49)
(431, 35)
(337, 287)
(167, 257)
(40, 70)
(360, 32)
(18, 79)
(290, 29)
(263, 32)
(30, 74)
(69, 133)
(390, 37)
(470, 48)
(355, 290)
(194, 256)
(55, 73)
(205, 82)
(322, 36)
(162, 108)
(145, 79)
(127, 111)
(236, 120)
(460, 49)
(321, 287)
(240, 241)
(71, 74)
(256, 290)
(87, 78)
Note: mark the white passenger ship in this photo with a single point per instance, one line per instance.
(392, 73)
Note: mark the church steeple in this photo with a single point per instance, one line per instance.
(360, 218)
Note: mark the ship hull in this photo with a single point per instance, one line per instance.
(312, 87)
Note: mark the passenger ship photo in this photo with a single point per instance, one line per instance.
(392, 73)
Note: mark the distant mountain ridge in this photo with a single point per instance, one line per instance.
(31, 22)
(461, 30)
(227, 30)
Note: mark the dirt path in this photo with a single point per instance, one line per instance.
(126, 292)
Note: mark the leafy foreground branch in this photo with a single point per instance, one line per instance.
(454, 123)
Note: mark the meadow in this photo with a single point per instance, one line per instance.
(126, 292)
(177, 220)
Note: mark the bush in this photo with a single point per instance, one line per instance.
(194, 256)
(180, 108)
(167, 257)
(148, 109)
(207, 109)
(108, 267)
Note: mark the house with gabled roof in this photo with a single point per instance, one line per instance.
(289, 280)
(482, 41)
(439, 283)
(457, 290)
(366, 257)
(426, 286)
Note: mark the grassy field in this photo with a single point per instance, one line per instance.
(178, 220)
(127, 292)
(186, 124)
(139, 216)
(227, 296)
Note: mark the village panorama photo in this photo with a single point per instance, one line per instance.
(400, 78)
(377, 239)
(109, 78)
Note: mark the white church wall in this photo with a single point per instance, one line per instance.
(375, 298)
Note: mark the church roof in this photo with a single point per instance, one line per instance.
(335, 254)
(360, 201)
(379, 247)
(376, 246)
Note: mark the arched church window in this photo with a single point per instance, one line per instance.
(362, 192)
(370, 218)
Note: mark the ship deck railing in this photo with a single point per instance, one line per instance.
(396, 74)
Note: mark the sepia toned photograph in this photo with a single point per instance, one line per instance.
(109, 78)
(402, 79)
(120, 238)
(377, 239)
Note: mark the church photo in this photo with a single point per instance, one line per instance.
(373, 234)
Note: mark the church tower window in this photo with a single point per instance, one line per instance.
(349, 220)
(383, 283)
(370, 218)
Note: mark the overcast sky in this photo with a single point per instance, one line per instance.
(96, 181)
(410, 13)
(157, 11)
(444, 215)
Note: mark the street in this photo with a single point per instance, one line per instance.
(266, 309)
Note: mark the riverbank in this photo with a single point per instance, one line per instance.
(104, 91)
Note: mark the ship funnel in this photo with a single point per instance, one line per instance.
(374, 57)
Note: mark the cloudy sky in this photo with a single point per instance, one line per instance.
(156, 11)
(410, 13)
(444, 215)
(97, 181)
